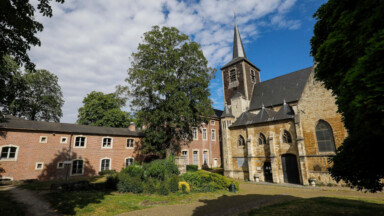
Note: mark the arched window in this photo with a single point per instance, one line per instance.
(324, 136)
(262, 139)
(287, 137)
(241, 141)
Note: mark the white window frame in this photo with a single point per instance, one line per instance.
(212, 122)
(133, 145)
(74, 142)
(82, 170)
(205, 134)
(193, 157)
(213, 138)
(110, 162)
(102, 143)
(42, 166)
(9, 159)
(202, 153)
(46, 139)
(125, 161)
(61, 140)
(60, 167)
(197, 133)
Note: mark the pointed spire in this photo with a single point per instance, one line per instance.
(238, 48)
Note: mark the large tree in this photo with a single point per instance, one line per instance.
(101, 109)
(348, 45)
(168, 84)
(41, 99)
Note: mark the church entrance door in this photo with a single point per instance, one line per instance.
(290, 169)
(268, 172)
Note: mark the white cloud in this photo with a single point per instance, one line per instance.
(88, 43)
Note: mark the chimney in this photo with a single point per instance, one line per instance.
(132, 126)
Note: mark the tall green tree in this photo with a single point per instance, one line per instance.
(348, 45)
(41, 99)
(101, 109)
(168, 84)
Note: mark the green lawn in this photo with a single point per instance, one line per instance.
(322, 206)
(8, 207)
(45, 185)
(112, 203)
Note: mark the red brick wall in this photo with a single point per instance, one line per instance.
(31, 151)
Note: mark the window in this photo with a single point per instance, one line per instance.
(232, 76)
(105, 164)
(204, 133)
(253, 76)
(287, 137)
(194, 133)
(212, 122)
(80, 142)
(241, 141)
(213, 134)
(77, 167)
(128, 161)
(60, 165)
(43, 139)
(324, 136)
(205, 157)
(262, 139)
(195, 157)
(184, 153)
(130, 143)
(63, 140)
(107, 142)
(39, 166)
(9, 153)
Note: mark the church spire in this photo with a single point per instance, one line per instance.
(238, 48)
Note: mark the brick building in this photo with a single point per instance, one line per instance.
(280, 130)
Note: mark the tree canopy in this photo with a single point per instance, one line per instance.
(168, 84)
(101, 109)
(348, 45)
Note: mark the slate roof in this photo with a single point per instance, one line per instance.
(273, 92)
(11, 122)
(227, 112)
(218, 113)
(265, 115)
(238, 48)
(236, 60)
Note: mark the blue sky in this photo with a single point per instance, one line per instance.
(88, 43)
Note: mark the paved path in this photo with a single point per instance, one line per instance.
(35, 205)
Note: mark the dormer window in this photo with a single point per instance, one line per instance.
(253, 76)
(232, 76)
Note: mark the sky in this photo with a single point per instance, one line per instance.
(88, 43)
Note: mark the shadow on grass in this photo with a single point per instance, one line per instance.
(67, 202)
(286, 205)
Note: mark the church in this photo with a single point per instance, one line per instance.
(282, 130)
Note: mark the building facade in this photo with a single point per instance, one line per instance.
(282, 130)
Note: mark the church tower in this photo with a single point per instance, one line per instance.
(239, 76)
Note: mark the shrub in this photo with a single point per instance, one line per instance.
(173, 184)
(163, 189)
(160, 169)
(112, 181)
(192, 168)
(107, 172)
(133, 171)
(204, 181)
(184, 187)
(129, 184)
(150, 186)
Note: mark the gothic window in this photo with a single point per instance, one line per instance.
(232, 76)
(241, 141)
(287, 137)
(253, 76)
(262, 140)
(324, 137)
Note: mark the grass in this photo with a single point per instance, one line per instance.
(45, 185)
(8, 206)
(112, 203)
(322, 206)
